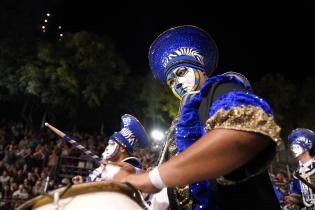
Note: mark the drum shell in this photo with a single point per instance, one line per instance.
(93, 195)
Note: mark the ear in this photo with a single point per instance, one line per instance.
(122, 149)
(202, 73)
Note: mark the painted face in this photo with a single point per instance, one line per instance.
(183, 80)
(297, 150)
(111, 150)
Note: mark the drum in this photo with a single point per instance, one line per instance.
(93, 195)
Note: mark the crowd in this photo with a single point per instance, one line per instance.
(27, 157)
(284, 184)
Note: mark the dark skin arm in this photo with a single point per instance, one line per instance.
(217, 153)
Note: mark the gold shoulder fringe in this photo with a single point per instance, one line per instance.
(246, 118)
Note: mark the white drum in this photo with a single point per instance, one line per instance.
(93, 195)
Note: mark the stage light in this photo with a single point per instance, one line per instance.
(157, 135)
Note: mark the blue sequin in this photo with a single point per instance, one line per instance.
(184, 44)
(303, 137)
(239, 98)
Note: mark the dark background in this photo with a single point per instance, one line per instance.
(253, 38)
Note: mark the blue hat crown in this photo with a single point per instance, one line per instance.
(303, 137)
(182, 46)
(131, 132)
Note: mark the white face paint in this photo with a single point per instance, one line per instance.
(183, 80)
(297, 150)
(111, 150)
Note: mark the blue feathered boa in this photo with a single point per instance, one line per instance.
(189, 129)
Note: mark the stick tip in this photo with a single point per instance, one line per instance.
(46, 124)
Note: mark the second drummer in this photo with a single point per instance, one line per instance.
(120, 149)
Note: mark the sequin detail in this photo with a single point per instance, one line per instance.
(183, 198)
(245, 118)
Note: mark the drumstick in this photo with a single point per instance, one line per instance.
(74, 143)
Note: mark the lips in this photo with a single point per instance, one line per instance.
(187, 89)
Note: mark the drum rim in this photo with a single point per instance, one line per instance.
(101, 186)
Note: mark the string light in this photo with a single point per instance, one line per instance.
(45, 26)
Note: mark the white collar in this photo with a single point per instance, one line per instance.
(307, 163)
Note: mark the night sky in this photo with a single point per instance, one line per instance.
(252, 38)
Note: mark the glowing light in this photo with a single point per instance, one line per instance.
(44, 31)
(61, 35)
(157, 135)
(59, 27)
(43, 27)
(48, 14)
(45, 20)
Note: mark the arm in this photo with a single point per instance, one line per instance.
(215, 154)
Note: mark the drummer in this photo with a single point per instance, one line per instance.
(120, 149)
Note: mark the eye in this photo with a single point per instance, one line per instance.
(181, 72)
(170, 82)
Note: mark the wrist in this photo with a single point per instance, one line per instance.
(155, 179)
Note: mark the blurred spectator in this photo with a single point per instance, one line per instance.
(30, 178)
(36, 173)
(27, 157)
(4, 178)
(38, 188)
(52, 160)
(21, 193)
(6, 192)
(9, 154)
(39, 156)
(19, 178)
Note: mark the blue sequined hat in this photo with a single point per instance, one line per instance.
(183, 45)
(301, 140)
(131, 132)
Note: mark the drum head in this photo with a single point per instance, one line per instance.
(92, 195)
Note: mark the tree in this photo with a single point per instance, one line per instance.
(74, 75)
(14, 54)
(161, 104)
(292, 103)
(281, 94)
(305, 103)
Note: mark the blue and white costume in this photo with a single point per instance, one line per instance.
(223, 102)
(131, 134)
(302, 140)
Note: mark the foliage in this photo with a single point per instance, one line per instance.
(292, 103)
(81, 67)
(162, 105)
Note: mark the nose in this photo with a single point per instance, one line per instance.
(179, 85)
